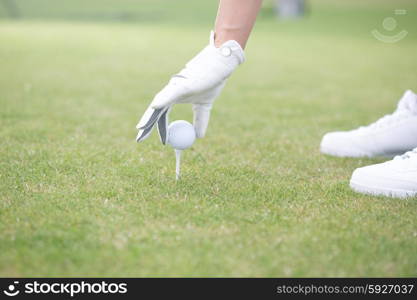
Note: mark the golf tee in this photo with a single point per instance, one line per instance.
(177, 163)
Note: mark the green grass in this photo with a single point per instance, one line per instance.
(78, 196)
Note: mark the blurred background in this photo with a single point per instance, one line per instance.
(193, 12)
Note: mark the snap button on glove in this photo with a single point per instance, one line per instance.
(199, 83)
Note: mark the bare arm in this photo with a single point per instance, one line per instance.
(235, 20)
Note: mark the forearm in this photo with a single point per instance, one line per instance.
(235, 20)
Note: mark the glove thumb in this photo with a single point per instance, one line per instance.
(201, 118)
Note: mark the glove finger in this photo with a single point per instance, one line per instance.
(149, 121)
(201, 118)
(163, 126)
(143, 134)
(171, 94)
(149, 118)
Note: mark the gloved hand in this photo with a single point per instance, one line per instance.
(199, 83)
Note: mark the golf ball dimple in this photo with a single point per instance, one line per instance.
(181, 134)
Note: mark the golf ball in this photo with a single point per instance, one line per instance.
(181, 134)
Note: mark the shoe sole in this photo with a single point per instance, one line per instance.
(379, 191)
(338, 153)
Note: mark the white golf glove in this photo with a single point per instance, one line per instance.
(199, 83)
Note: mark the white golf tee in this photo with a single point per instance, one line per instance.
(177, 163)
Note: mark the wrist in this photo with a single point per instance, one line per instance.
(226, 34)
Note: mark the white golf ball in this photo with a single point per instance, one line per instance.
(181, 135)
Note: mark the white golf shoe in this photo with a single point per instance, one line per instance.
(394, 178)
(389, 136)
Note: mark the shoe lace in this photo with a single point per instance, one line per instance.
(407, 155)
